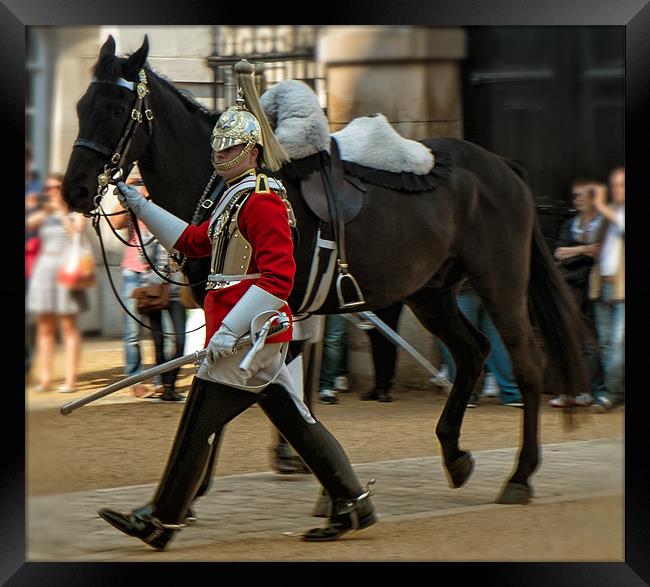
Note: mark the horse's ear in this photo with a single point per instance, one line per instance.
(136, 61)
(108, 48)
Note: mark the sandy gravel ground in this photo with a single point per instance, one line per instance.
(111, 444)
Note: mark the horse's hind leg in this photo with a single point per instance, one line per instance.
(439, 313)
(509, 311)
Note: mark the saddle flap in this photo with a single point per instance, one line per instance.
(349, 199)
(313, 192)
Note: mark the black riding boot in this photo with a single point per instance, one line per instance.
(351, 506)
(207, 478)
(209, 407)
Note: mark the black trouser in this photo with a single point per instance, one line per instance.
(209, 407)
(590, 348)
(384, 352)
(177, 314)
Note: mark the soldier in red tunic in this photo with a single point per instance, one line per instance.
(248, 237)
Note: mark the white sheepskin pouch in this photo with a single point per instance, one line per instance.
(297, 118)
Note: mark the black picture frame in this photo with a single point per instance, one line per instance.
(634, 15)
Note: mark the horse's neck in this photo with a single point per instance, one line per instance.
(177, 164)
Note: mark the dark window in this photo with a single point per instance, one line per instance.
(551, 98)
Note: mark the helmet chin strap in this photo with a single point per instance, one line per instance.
(236, 160)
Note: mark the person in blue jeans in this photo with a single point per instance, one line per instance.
(334, 365)
(135, 273)
(160, 331)
(607, 287)
(498, 361)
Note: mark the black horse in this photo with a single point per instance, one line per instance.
(480, 225)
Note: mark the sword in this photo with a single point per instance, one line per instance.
(397, 340)
(196, 356)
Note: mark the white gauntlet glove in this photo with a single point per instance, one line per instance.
(130, 197)
(222, 344)
(166, 227)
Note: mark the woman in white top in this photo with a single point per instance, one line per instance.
(47, 299)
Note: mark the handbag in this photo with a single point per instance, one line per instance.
(78, 268)
(152, 297)
(32, 248)
(187, 299)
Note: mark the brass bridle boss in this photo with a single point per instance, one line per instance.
(140, 111)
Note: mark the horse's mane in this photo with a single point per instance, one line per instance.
(188, 99)
(110, 67)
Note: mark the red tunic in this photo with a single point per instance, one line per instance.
(263, 222)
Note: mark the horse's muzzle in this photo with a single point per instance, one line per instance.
(78, 198)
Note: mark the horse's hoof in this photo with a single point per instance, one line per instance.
(459, 471)
(515, 494)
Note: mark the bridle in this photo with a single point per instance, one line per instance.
(114, 171)
(141, 112)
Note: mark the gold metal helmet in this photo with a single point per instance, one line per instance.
(240, 126)
(236, 126)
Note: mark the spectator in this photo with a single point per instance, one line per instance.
(33, 186)
(176, 311)
(334, 366)
(384, 355)
(607, 287)
(46, 298)
(498, 360)
(33, 202)
(575, 249)
(135, 273)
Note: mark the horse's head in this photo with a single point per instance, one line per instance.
(103, 112)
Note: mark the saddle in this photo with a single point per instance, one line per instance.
(352, 179)
(332, 199)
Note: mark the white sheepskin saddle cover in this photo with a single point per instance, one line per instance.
(372, 141)
(301, 127)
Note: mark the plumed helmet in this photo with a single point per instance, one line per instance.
(245, 123)
(236, 126)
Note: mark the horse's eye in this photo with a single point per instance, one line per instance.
(118, 110)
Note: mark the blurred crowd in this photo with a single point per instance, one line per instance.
(589, 250)
(59, 271)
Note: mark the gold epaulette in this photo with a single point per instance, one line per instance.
(262, 185)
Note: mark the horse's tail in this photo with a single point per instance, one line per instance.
(555, 313)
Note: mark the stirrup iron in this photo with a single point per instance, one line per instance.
(343, 273)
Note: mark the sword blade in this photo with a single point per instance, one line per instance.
(132, 380)
(396, 339)
(157, 370)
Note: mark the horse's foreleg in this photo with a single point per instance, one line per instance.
(441, 316)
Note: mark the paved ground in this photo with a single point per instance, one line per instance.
(112, 452)
(265, 505)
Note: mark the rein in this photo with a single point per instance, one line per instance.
(95, 223)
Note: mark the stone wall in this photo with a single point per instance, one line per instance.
(178, 53)
(412, 76)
